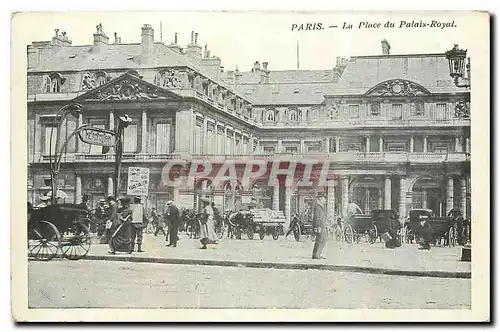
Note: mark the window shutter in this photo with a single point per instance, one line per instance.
(130, 138)
(46, 84)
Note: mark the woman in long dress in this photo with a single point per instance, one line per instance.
(207, 225)
(121, 238)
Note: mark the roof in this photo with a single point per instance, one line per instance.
(285, 94)
(429, 70)
(77, 58)
(290, 76)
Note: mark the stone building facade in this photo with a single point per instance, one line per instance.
(394, 128)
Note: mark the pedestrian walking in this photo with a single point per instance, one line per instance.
(121, 239)
(111, 219)
(138, 223)
(319, 225)
(207, 225)
(158, 225)
(172, 216)
(426, 235)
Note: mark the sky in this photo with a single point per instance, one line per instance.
(241, 38)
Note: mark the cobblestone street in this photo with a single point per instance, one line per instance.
(91, 284)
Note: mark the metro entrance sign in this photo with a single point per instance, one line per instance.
(98, 136)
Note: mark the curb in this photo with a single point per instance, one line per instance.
(288, 266)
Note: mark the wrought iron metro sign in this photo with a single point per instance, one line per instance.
(98, 136)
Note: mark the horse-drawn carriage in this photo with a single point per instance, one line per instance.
(261, 221)
(301, 225)
(57, 227)
(357, 226)
(440, 227)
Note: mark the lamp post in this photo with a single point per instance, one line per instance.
(460, 71)
(123, 122)
(56, 155)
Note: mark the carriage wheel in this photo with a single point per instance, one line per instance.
(262, 233)
(451, 237)
(296, 232)
(348, 234)
(276, 233)
(43, 241)
(372, 234)
(76, 244)
(337, 234)
(250, 232)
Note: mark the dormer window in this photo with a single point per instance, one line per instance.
(52, 83)
(270, 115)
(293, 115)
(101, 78)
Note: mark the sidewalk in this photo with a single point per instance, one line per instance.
(289, 254)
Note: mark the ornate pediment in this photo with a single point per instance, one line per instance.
(398, 87)
(128, 87)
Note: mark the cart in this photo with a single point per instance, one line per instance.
(63, 227)
(302, 226)
(442, 227)
(382, 221)
(357, 226)
(266, 222)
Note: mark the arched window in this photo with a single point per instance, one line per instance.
(101, 78)
(270, 115)
(52, 83)
(293, 115)
(313, 114)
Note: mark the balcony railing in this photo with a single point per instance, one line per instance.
(336, 157)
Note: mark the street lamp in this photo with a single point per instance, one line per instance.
(459, 69)
(123, 122)
(55, 156)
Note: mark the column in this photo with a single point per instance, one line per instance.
(144, 133)
(458, 146)
(250, 145)
(225, 145)
(110, 185)
(337, 144)
(288, 202)
(387, 193)
(78, 125)
(302, 146)
(424, 199)
(279, 147)
(367, 144)
(327, 145)
(234, 142)
(367, 200)
(412, 144)
(402, 199)
(330, 202)
(345, 192)
(204, 141)
(176, 195)
(111, 120)
(380, 199)
(216, 138)
(467, 144)
(276, 196)
(425, 143)
(381, 144)
(78, 189)
(449, 195)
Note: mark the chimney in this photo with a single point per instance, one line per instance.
(385, 47)
(193, 50)
(264, 73)
(174, 46)
(237, 76)
(147, 44)
(60, 39)
(118, 40)
(100, 40)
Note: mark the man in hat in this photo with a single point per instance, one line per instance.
(112, 218)
(138, 223)
(319, 225)
(44, 202)
(172, 216)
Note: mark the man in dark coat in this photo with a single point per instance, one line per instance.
(426, 235)
(319, 226)
(157, 223)
(172, 215)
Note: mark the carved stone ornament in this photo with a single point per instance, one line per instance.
(127, 88)
(398, 88)
(375, 109)
(169, 79)
(88, 81)
(461, 110)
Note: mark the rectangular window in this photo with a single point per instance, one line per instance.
(397, 111)
(163, 138)
(441, 111)
(440, 149)
(220, 143)
(313, 148)
(197, 138)
(50, 130)
(291, 149)
(191, 82)
(268, 149)
(354, 111)
(396, 147)
(47, 182)
(418, 109)
(130, 139)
